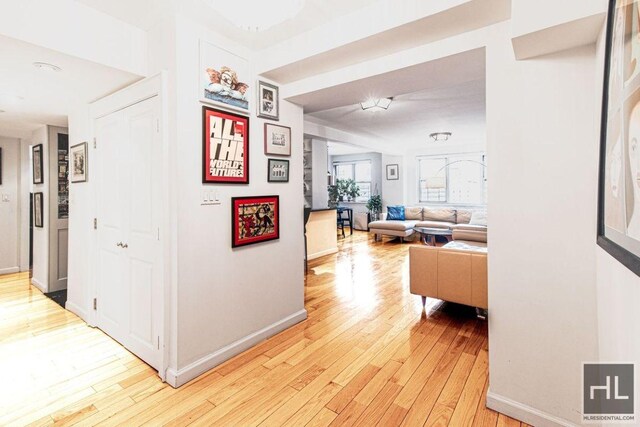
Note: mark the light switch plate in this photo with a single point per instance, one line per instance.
(209, 197)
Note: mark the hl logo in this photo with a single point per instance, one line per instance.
(608, 389)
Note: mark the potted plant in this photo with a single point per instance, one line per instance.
(334, 195)
(348, 188)
(374, 206)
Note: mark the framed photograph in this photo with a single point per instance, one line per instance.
(268, 101)
(79, 163)
(277, 140)
(392, 172)
(254, 220)
(38, 172)
(223, 78)
(37, 209)
(619, 177)
(225, 147)
(278, 170)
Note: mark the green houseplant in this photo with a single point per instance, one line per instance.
(374, 206)
(344, 188)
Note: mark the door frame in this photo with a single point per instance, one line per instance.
(155, 86)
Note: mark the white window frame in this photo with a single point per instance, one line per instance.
(353, 173)
(450, 158)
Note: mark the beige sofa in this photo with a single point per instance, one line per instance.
(456, 220)
(456, 272)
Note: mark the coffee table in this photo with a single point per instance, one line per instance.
(428, 235)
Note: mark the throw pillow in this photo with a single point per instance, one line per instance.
(478, 218)
(395, 213)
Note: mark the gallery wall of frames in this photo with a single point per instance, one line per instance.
(227, 97)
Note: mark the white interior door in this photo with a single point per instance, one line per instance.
(129, 252)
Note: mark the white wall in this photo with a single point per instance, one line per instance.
(25, 197)
(40, 277)
(393, 190)
(319, 162)
(225, 295)
(542, 147)
(9, 210)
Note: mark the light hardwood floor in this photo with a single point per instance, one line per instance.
(368, 355)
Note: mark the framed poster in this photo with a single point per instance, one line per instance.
(278, 170)
(36, 155)
(268, 101)
(37, 209)
(254, 220)
(79, 165)
(277, 140)
(619, 177)
(392, 172)
(225, 147)
(223, 78)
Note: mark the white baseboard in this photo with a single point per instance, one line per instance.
(193, 370)
(75, 309)
(322, 253)
(37, 284)
(523, 412)
(9, 270)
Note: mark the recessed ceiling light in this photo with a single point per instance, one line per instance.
(45, 66)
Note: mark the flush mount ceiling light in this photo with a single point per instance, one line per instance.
(440, 136)
(45, 66)
(257, 15)
(376, 104)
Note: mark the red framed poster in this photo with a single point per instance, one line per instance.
(225, 147)
(254, 220)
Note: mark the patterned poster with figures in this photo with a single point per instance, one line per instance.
(225, 147)
(254, 220)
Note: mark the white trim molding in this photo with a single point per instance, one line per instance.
(176, 378)
(37, 284)
(75, 309)
(10, 270)
(524, 413)
(322, 253)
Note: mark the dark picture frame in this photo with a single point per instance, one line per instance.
(38, 207)
(38, 169)
(277, 140)
(220, 132)
(78, 163)
(268, 101)
(248, 223)
(278, 170)
(618, 229)
(393, 172)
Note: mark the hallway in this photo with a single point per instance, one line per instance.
(366, 353)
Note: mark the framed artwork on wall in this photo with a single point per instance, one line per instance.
(225, 147)
(278, 170)
(392, 172)
(223, 78)
(268, 101)
(36, 155)
(619, 177)
(37, 209)
(254, 220)
(79, 162)
(277, 140)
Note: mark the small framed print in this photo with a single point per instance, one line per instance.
(38, 173)
(254, 220)
(277, 140)
(268, 101)
(225, 147)
(37, 209)
(223, 77)
(392, 172)
(278, 170)
(78, 154)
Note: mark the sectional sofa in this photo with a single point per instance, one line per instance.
(457, 220)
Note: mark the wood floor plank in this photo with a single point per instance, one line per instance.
(368, 354)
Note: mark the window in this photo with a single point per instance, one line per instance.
(360, 172)
(458, 179)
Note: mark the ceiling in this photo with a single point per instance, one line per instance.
(143, 13)
(448, 96)
(31, 97)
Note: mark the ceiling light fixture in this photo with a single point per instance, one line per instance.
(45, 66)
(440, 136)
(251, 15)
(376, 104)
